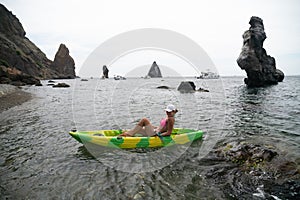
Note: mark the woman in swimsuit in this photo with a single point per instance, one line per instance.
(145, 128)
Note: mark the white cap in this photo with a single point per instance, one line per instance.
(170, 108)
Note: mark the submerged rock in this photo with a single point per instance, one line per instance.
(61, 85)
(250, 154)
(260, 67)
(154, 71)
(245, 169)
(39, 84)
(202, 90)
(163, 87)
(189, 86)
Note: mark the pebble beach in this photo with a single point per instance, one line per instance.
(11, 96)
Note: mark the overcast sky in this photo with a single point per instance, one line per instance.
(216, 25)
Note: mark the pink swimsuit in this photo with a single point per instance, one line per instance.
(163, 122)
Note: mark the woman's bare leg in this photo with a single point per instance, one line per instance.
(144, 122)
(138, 128)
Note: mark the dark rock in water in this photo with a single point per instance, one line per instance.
(50, 81)
(105, 71)
(279, 75)
(38, 84)
(84, 79)
(265, 164)
(154, 71)
(63, 63)
(247, 153)
(202, 90)
(187, 86)
(61, 85)
(288, 168)
(260, 169)
(260, 67)
(163, 87)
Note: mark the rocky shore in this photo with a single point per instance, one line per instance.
(11, 96)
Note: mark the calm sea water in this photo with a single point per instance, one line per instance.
(39, 160)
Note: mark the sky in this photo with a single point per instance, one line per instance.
(215, 25)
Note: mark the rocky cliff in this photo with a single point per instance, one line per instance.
(154, 71)
(63, 63)
(19, 54)
(260, 67)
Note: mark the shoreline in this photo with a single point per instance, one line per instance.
(11, 96)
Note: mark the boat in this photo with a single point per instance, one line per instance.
(208, 75)
(111, 138)
(118, 77)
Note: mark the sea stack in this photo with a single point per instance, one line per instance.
(63, 63)
(154, 71)
(260, 67)
(105, 71)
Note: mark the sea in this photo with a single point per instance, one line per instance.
(40, 160)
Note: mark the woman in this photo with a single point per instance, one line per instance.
(145, 128)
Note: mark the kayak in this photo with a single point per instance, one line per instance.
(110, 138)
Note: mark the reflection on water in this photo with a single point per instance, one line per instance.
(250, 111)
(38, 159)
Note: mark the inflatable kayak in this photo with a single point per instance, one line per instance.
(110, 138)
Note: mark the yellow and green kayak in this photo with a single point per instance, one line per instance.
(110, 138)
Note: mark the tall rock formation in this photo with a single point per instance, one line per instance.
(63, 63)
(105, 71)
(260, 67)
(154, 71)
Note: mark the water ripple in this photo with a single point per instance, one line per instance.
(39, 160)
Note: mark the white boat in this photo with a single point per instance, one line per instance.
(208, 75)
(118, 77)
